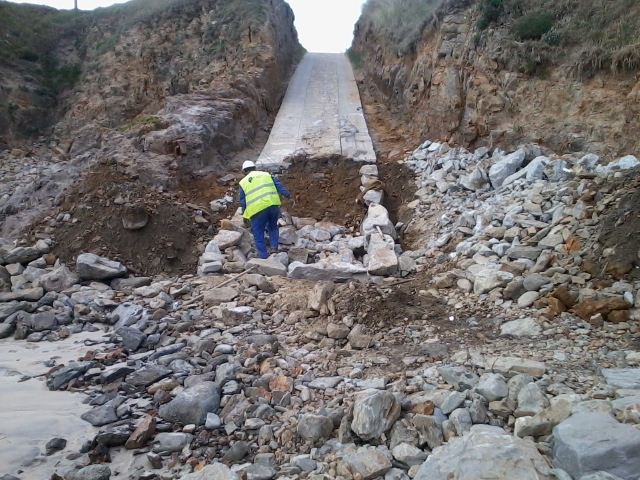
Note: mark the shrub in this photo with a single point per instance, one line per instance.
(533, 26)
(490, 11)
(28, 55)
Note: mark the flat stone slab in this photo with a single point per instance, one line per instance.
(320, 115)
(622, 377)
(595, 442)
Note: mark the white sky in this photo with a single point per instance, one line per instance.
(323, 25)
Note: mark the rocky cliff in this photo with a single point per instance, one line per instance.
(159, 90)
(194, 79)
(488, 72)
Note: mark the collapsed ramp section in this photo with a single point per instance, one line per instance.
(321, 115)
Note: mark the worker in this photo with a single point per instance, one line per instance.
(260, 202)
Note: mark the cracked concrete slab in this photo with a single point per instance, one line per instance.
(321, 115)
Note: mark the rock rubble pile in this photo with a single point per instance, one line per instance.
(277, 368)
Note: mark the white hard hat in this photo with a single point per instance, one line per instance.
(248, 164)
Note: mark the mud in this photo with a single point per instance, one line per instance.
(167, 244)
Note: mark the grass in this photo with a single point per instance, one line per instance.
(591, 35)
(401, 21)
(355, 58)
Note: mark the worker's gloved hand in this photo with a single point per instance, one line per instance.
(246, 222)
(293, 200)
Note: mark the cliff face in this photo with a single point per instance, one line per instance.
(489, 72)
(192, 81)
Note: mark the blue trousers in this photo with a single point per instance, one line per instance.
(266, 219)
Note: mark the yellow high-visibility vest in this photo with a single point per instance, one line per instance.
(260, 192)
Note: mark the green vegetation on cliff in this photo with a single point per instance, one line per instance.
(402, 21)
(598, 34)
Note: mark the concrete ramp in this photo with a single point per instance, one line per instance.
(321, 115)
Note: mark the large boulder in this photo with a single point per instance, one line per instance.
(93, 267)
(192, 404)
(382, 256)
(595, 442)
(378, 217)
(374, 413)
(506, 167)
(485, 453)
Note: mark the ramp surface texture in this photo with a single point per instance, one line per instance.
(321, 115)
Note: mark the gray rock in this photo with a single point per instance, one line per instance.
(459, 377)
(527, 299)
(505, 167)
(192, 405)
(535, 281)
(227, 238)
(212, 422)
(22, 255)
(338, 331)
(216, 296)
(314, 427)
(514, 289)
(57, 280)
(171, 442)
(523, 327)
(378, 216)
(517, 383)
(492, 387)
(595, 442)
(600, 476)
(337, 272)
(396, 474)
(408, 454)
(382, 256)
(323, 383)
(622, 377)
(215, 471)
(63, 376)
(236, 453)
(147, 375)
(488, 279)
(374, 412)
(485, 453)
(510, 366)
(93, 267)
(531, 401)
(92, 472)
(449, 401)
(126, 284)
(543, 422)
(476, 180)
(100, 416)
(28, 294)
(132, 338)
(269, 267)
(43, 321)
(6, 330)
(429, 430)
(461, 419)
(259, 472)
(367, 463)
(524, 251)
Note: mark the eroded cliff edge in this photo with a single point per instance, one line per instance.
(500, 72)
